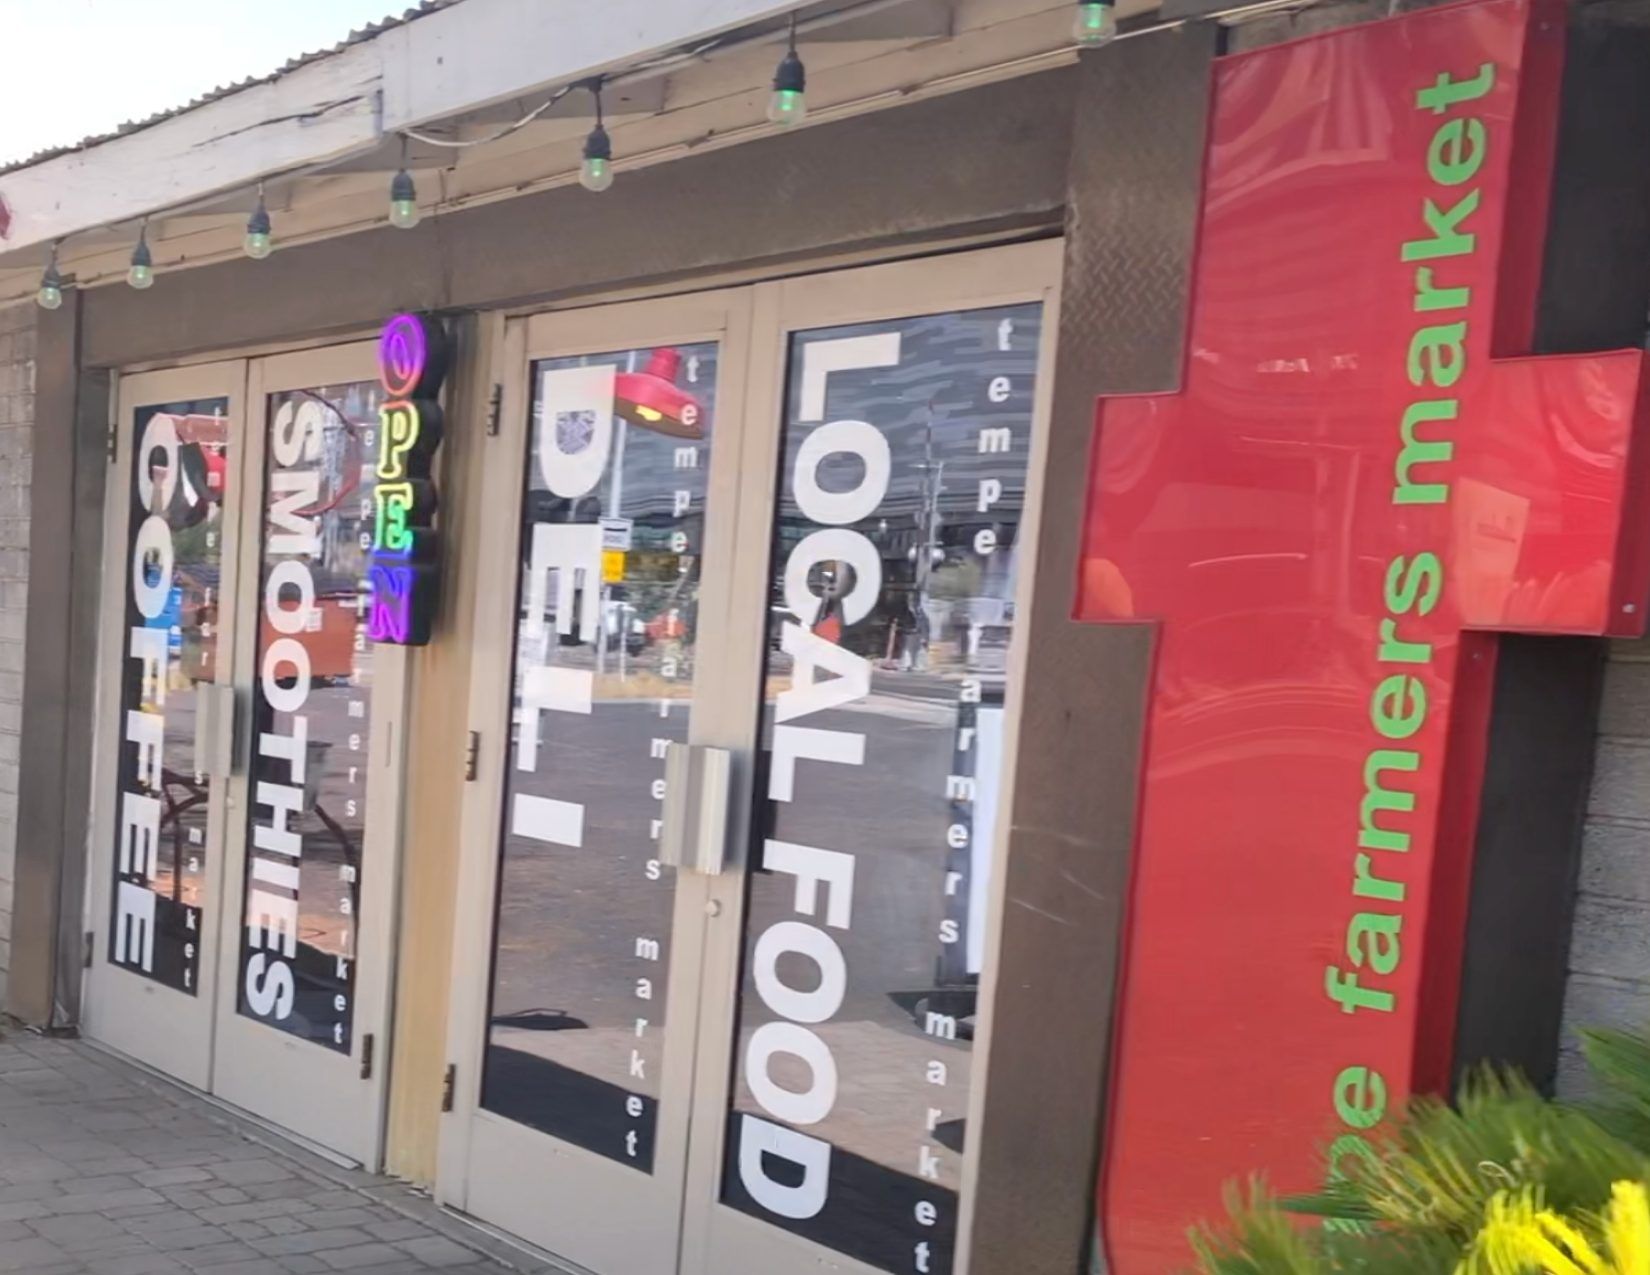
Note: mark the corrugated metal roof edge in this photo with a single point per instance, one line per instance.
(369, 32)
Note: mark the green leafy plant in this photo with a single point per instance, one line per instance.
(1502, 1182)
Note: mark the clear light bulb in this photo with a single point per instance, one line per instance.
(787, 106)
(50, 296)
(1096, 23)
(404, 213)
(596, 175)
(789, 103)
(142, 273)
(259, 241)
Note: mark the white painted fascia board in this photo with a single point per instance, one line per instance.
(437, 66)
(317, 113)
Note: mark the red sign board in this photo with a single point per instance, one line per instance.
(1358, 486)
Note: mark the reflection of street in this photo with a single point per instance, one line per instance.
(569, 919)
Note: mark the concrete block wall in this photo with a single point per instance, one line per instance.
(16, 462)
(1610, 952)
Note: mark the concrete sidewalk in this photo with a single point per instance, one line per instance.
(106, 1170)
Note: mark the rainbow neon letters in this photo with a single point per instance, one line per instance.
(404, 575)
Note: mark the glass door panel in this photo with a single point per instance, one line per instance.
(607, 639)
(896, 555)
(180, 480)
(169, 598)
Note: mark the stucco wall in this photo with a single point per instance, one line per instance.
(16, 463)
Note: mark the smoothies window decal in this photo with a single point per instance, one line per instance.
(613, 524)
(175, 551)
(311, 714)
(896, 548)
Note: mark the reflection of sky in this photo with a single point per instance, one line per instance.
(947, 363)
(650, 475)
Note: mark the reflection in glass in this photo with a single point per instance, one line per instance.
(311, 709)
(902, 481)
(180, 475)
(612, 535)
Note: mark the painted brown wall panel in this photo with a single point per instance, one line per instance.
(71, 415)
(1134, 182)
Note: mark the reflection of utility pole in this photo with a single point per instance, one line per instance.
(615, 508)
(926, 554)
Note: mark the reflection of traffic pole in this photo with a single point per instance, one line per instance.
(615, 502)
(926, 554)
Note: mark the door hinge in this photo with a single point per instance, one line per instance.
(367, 1043)
(112, 442)
(447, 1086)
(86, 952)
(472, 757)
(495, 410)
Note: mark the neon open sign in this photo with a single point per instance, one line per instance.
(404, 574)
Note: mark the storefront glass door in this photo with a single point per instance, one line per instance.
(253, 856)
(731, 1014)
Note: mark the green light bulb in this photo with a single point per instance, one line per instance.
(258, 244)
(50, 296)
(788, 106)
(141, 277)
(1096, 23)
(596, 174)
(404, 214)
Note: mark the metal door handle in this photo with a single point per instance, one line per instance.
(693, 830)
(214, 730)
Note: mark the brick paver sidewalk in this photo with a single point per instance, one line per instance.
(105, 1170)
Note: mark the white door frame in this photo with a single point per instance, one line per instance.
(591, 1225)
(541, 1189)
(326, 1097)
(202, 1040)
(720, 1240)
(136, 1016)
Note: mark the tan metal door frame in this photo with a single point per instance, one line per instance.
(715, 1240)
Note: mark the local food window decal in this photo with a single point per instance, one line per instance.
(179, 475)
(896, 549)
(311, 714)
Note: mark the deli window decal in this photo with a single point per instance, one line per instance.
(180, 474)
(606, 646)
(311, 714)
(896, 549)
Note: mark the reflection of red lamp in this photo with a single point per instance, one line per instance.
(652, 399)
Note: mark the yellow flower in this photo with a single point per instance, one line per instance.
(1522, 1237)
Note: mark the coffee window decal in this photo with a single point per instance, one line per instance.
(170, 656)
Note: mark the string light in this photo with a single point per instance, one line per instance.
(142, 273)
(789, 103)
(596, 173)
(1096, 22)
(258, 243)
(404, 214)
(50, 295)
